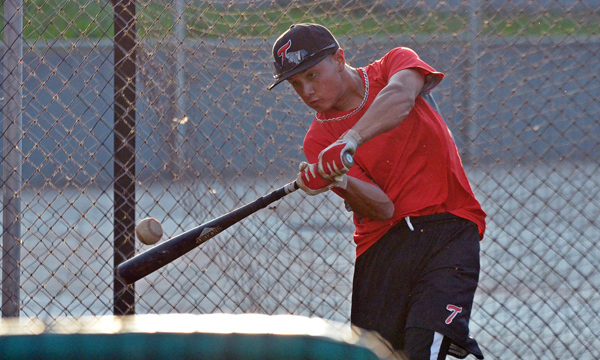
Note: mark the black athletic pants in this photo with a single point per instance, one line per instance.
(417, 281)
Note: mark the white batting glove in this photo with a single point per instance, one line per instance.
(312, 182)
(331, 162)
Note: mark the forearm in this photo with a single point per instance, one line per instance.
(391, 106)
(387, 112)
(367, 200)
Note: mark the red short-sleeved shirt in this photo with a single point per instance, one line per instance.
(416, 164)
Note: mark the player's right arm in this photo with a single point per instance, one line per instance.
(367, 200)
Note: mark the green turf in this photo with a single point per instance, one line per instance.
(73, 19)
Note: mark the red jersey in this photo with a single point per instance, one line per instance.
(416, 164)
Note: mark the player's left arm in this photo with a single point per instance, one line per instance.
(392, 105)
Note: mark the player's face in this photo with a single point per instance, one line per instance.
(320, 86)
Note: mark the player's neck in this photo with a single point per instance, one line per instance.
(353, 90)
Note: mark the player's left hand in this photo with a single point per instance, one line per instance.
(331, 162)
(313, 183)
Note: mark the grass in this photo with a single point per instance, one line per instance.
(73, 19)
(56, 19)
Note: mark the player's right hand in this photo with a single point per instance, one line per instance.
(313, 183)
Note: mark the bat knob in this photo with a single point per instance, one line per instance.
(347, 159)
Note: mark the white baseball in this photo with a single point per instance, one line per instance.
(149, 231)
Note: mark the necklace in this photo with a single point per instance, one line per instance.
(362, 104)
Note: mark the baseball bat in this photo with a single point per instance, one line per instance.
(160, 255)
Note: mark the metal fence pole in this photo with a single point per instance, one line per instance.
(180, 56)
(13, 113)
(178, 121)
(471, 153)
(124, 147)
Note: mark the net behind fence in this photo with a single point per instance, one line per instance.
(520, 97)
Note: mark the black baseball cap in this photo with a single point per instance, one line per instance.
(302, 46)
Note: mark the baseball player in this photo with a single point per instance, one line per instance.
(418, 224)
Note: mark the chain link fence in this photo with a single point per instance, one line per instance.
(116, 112)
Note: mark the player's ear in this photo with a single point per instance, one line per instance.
(339, 58)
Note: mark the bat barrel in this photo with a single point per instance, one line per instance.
(160, 255)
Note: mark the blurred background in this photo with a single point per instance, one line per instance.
(113, 112)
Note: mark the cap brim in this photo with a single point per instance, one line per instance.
(298, 69)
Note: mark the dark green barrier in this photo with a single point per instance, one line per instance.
(175, 337)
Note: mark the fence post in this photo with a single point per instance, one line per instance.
(471, 100)
(12, 153)
(124, 147)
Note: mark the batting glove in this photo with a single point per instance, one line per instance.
(312, 183)
(331, 162)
